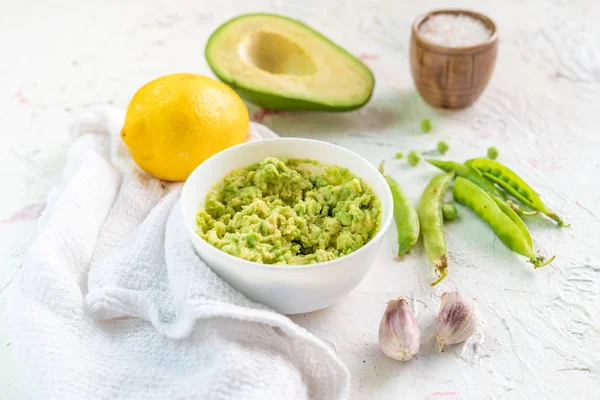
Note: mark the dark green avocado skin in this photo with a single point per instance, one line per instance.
(281, 103)
(275, 101)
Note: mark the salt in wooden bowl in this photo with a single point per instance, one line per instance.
(452, 77)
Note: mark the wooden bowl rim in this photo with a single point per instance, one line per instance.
(455, 50)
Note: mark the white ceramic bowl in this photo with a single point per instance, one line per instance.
(287, 289)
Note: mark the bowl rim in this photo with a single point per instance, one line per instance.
(386, 217)
(455, 50)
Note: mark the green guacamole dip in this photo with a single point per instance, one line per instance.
(289, 211)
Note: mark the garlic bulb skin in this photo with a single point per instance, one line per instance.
(458, 319)
(399, 336)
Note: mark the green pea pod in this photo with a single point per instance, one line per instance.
(405, 216)
(513, 184)
(432, 223)
(467, 173)
(501, 218)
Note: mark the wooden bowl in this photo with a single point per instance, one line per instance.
(452, 77)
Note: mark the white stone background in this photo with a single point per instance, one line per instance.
(541, 338)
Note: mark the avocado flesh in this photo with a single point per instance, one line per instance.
(282, 64)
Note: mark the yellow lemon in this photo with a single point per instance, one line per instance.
(177, 121)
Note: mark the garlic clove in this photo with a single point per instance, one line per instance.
(458, 319)
(399, 336)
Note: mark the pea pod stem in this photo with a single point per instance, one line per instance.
(514, 185)
(441, 275)
(502, 219)
(519, 210)
(431, 220)
(405, 216)
(539, 263)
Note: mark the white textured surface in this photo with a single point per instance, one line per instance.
(541, 334)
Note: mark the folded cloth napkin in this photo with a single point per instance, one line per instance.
(112, 302)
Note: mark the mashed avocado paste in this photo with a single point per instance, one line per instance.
(289, 211)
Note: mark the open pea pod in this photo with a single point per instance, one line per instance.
(513, 184)
(475, 176)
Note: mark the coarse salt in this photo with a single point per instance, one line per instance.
(454, 30)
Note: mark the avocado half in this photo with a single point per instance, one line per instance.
(280, 63)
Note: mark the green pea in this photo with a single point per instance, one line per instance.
(426, 125)
(496, 172)
(449, 211)
(492, 153)
(443, 147)
(523, 193)
(399, 155)
(505, 178)
(501, 218)
(485, 168)
(431, 221)
(413, 158)
(514, 185)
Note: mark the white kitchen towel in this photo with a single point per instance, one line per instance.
(113, 303)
